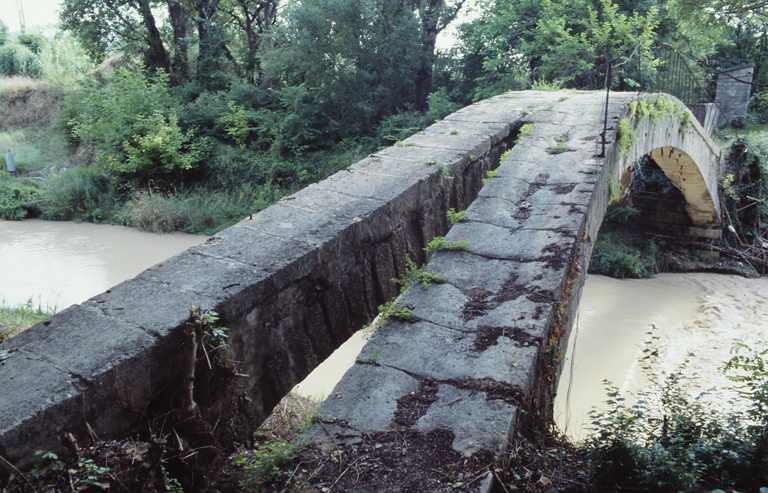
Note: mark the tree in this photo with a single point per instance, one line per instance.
(129, 25)
(3, 33)
(255, 18)
(575, 41)
(339, 66)
(434, 16)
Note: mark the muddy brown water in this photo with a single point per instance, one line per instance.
(62, 263)
(59, 263)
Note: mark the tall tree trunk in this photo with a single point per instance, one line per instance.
(158, 53)
(179, 26)
(205, 11)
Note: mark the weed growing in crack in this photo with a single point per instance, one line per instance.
(456, 217)
(439, 243)
(524, 130)
(560, 147)
(445, 171)
(391, 309)
(455, 132)
(488, 175)
(504, 156)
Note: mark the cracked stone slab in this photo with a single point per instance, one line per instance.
(216, 279)
(38, 402)
(161, 317)
(291, 259)
(425, 349)
(478, 423)
(383, 165)
(492, 241)
(495, 130)
(366, 398)
(476, 145)
(447, 156)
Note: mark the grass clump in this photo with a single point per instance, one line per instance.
(560, 147)
(278, 440)
(439, 243)
(16, 318)
(456, 217)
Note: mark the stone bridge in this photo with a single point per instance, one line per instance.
(476, 359)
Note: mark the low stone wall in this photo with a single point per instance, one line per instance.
(292, 282)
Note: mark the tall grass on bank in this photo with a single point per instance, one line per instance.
(16, 318)
(196, 211)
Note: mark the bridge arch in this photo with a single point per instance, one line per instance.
(681, 148)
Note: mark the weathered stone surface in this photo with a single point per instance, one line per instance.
(295, 280)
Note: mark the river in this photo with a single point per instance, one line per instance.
(61, 263)
(58, 264)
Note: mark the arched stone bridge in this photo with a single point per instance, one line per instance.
(475, 362)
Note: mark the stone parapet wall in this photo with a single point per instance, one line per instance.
(292, 282)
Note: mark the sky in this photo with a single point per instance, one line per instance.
(36, 13)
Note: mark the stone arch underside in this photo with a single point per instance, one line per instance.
(684, 174)
(689, 159)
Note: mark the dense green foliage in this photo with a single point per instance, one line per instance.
(669, 441)
(227, 105)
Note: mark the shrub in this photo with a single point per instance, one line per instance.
(196, 211)
(669, 441)
(130, 124)
(19, 198)
(758, 105)
(79, 193)
(17, 59)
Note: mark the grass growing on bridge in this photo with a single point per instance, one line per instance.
(16, 318)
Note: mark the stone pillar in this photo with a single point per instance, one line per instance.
(732, 94)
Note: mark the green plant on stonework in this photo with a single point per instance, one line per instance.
(432, 161)
(456, 217)
(658, 108)
(213, 337)
(554, 353)
(489, 174)
(504, 155)
(526, 111)
(626, 136)
(543, 85)
(455, 132)
(524, 130)
(560, 147)
(445, 172)
(392, 309)
(613, 189)
(669, 441)
(439, 243)
(414, 273)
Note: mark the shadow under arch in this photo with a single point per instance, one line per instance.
(685, 174)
